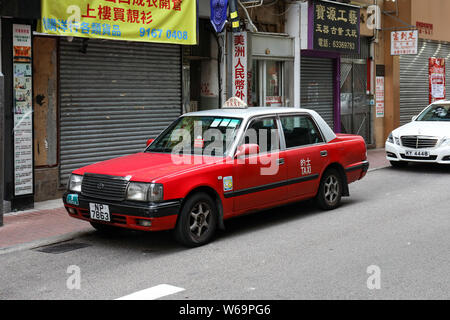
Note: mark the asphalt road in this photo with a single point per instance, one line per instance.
(396, 220)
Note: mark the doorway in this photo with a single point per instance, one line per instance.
(355, 102)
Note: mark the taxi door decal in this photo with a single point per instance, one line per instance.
(227, 184)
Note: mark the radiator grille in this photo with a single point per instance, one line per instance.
(104, 187)
(415, 142)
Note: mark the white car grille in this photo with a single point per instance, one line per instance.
(416, 142)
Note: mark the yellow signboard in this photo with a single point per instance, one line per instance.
(166, 21)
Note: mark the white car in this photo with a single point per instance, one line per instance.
(425, 139)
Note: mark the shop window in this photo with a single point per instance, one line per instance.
(268, 83)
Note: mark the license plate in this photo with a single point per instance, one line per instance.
(418, 154)
(99, 212)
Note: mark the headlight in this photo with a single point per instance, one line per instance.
(391, 138)
(145, 192)
(445, 142)
(75, 183)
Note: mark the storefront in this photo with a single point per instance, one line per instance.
(113, 96)
(414, 77)
(328, 32)
(271, 59)
(17, 107)
(105, 87)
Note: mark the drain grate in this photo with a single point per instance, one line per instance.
(63, 247)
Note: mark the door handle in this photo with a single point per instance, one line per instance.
(324, 153)
(280, 161)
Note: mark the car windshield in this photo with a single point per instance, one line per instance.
(436, 113)
(208, 136)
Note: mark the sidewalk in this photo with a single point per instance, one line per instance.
(49, 222)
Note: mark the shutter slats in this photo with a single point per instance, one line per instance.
(114, 98)
(317, 87)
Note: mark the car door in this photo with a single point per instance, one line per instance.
(306, 154)
(259, 180)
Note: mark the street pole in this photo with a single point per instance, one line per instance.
(2, 131)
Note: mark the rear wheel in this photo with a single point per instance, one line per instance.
(330, 190)
(197, 222)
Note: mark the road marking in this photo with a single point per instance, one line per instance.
(153, 293)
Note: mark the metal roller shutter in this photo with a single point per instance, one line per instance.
(113, 98)
(414, 87)
(317, 87)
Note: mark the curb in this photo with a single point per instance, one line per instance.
(45, 242)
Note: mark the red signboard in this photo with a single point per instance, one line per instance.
(436, 79)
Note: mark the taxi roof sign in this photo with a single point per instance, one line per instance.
(234, 103)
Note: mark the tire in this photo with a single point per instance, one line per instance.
(330, 190)
(399, 164)
(105, 229)
(197, 221)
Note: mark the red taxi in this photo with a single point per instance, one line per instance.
(212, 165)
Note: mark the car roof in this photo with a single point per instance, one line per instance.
(246, 112)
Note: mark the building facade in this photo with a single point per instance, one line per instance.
(92, 99)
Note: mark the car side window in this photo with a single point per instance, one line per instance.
(264, 133)
(300, 131)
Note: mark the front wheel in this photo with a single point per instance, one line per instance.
(330, 190)
(197, 222)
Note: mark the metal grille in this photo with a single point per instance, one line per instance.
(114, 97)
(415, 142)
(317, 87)
(104, 187)
(414, 88)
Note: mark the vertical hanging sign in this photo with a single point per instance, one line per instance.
(240, 66)
(379, 92)
(436, 73)
(22, 110)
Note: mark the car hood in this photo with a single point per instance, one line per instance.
(424, 128)
(147, 167)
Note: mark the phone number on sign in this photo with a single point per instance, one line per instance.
(158, 33)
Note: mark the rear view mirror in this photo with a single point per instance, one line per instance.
(149, 141)
(247, 150)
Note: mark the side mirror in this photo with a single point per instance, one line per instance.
(414, 118)
(247, 150)
(149, 141)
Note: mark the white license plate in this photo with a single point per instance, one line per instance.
(418, 154)
(99, 212)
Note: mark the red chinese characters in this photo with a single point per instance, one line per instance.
(240, 66)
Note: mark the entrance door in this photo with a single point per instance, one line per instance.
(268, 84)
(355, 103)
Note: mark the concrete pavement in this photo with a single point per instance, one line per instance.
(396, 221)
(49, 222)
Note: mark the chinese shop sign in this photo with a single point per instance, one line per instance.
(22, 110)
(404, 42)
(437, 79)
(166, 21)
(336, 27)
(379, 92)
(424, 28)
(240, 84)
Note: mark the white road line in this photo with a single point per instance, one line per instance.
(153, 293)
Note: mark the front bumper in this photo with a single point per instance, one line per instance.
(395, 152)
(127, 214)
